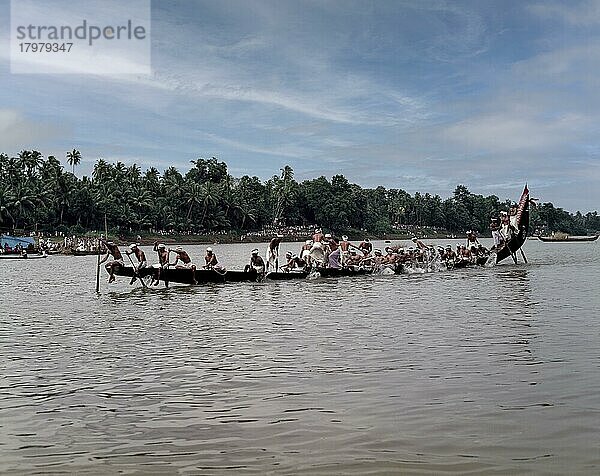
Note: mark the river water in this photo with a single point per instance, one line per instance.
(487, 371)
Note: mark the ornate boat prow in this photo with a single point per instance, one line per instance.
(516, 241)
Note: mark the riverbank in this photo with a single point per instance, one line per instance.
(233, 238)
(64, 244)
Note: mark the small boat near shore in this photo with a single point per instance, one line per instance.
(22, 256)
(76, 252)
(567, 238)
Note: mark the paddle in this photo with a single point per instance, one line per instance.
(136, 274)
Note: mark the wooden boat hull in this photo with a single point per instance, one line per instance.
(283, 276)
(186, 276)
(568, 239)
(467, 264)
(204, 276)
(329, 273)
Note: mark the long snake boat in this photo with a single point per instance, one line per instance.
(204, 276)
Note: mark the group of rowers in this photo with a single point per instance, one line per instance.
(327, 251)
(321, 251)
(182, 260)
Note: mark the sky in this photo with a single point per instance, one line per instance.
(420, 95)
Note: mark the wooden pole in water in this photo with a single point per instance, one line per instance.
(523, 255)
(98, 256)
(98, 270)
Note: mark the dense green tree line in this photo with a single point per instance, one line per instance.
(37, 193)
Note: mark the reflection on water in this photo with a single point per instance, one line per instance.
(485, 370)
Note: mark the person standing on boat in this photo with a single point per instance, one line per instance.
(117, 260)
(186, 261)
(273, 252)
(505, 225)
(317, 254)
(305, 251)
(512, 215)
(333, 260)
(496, 233)
(256, 263)
(318, 236)
(345, 246)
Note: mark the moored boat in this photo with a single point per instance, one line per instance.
(23, 256)
(76, 252)
(567, 238)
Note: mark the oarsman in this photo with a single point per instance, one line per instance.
(465, 252)
(419, 243)
(293, 261)
(117, 260)
(366, 246)
(163, 260)
(273, 252)
(378, 259)
(331, 242)
(183, 261)
(141, 257)
(450, 254)
(345, 246)
(472, 239)
(353, 259)
(375, 260)
(139, 254)
(390, 257)
(441, 253)
(403, 256)
(318, 236)
(256, 263)
(210, 259)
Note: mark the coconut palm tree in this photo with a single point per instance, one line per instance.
(285, 189)
(192, 194)
(74, 158)
(210, 197)
(6, 201)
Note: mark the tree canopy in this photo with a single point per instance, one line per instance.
(37, 193)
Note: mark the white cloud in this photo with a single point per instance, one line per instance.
(509, 132)
(18, 132)
(576, 13)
